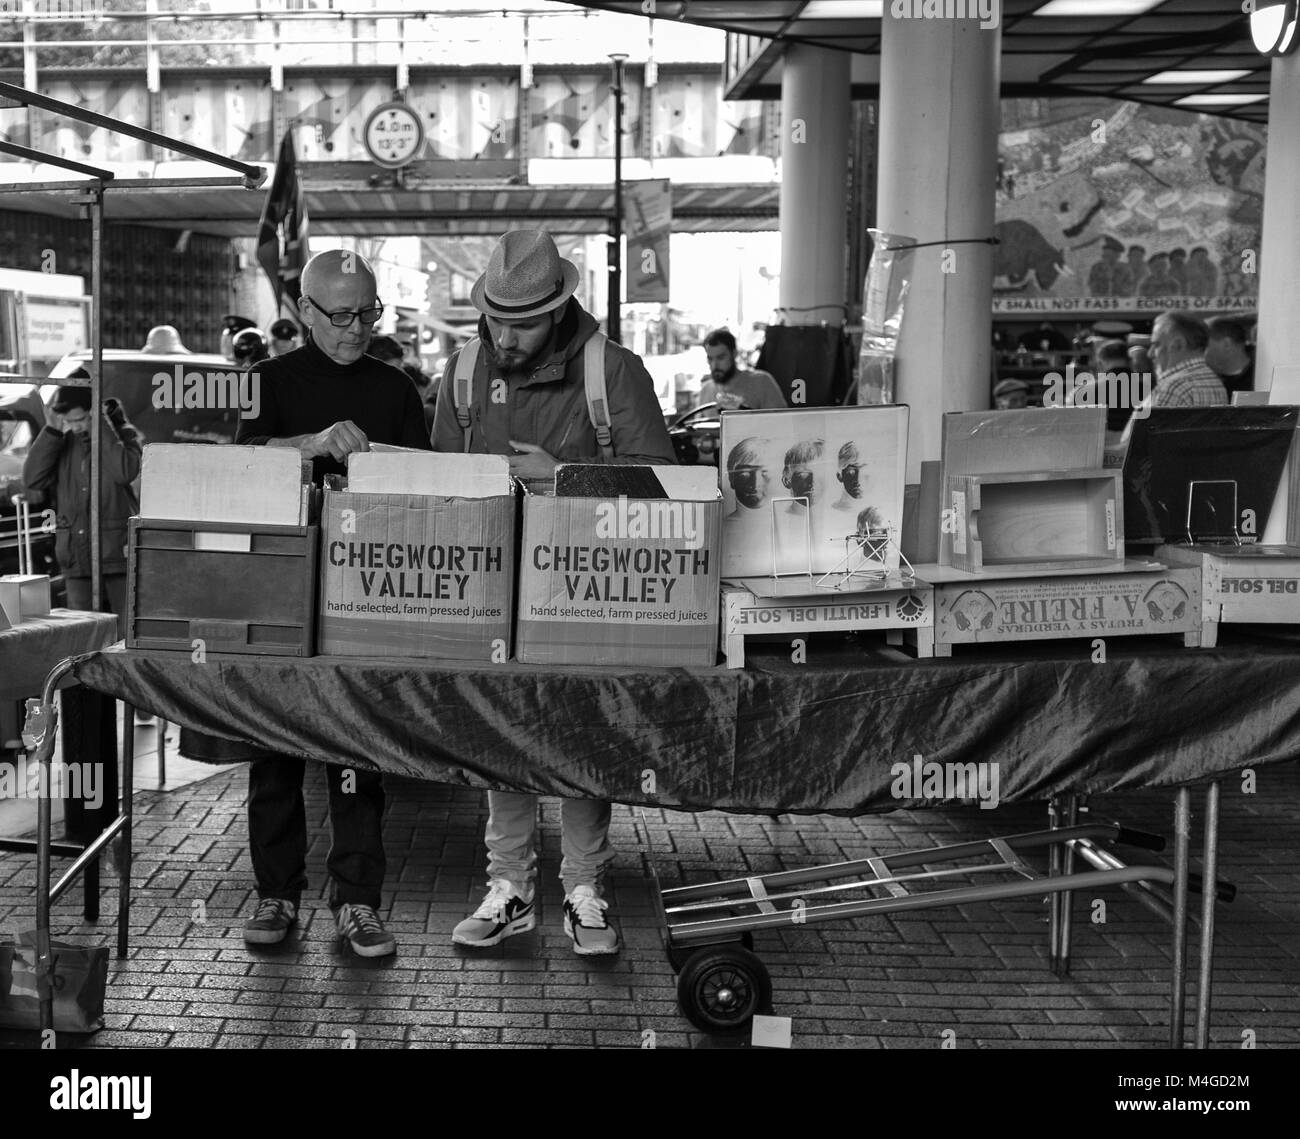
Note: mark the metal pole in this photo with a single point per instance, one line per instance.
(96, 391)
(615, 319)
(1182, 842)
(1210, 857)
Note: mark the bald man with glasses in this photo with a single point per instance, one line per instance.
(326, 399)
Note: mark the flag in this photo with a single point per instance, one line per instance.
(282, 234)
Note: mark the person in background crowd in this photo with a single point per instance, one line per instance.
(232, 324)
(1139, 360)
(532, 336)
(249, 347)
(731, 388)
(389, 350)
(1108, 386)
(1011, 394)
(59, 464)
(164, 340)
(1183, 378)
(326, 400)
(283, 338)
(1228, 355)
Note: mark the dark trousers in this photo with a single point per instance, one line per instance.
(277, 831)
(89, 722)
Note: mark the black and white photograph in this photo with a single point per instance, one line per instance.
(807, 492)
(621, 530)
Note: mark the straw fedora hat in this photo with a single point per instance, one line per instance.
(525, 277)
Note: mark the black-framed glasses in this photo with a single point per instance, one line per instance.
(343, 318)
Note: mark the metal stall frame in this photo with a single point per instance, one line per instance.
(39, 732)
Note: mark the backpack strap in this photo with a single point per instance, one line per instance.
(593, 369)
(462, 385)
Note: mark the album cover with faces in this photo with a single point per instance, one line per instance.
(812, 490)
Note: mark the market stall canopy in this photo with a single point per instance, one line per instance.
(1191, 54)
(347, 206)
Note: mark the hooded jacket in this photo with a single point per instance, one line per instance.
(60, 461)
(548, 406)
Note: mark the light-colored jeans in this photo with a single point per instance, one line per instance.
(512, 839)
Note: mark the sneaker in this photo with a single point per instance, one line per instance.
(363, 930)
(586, 924)
(271, 921)
(504, 912)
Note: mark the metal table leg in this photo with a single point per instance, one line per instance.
(124, 847)
(1182, 842)
(1210, 856)
(1054, 864)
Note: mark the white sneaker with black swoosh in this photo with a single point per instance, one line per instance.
(587, 923)
(507, 910)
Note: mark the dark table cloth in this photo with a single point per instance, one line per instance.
(774, 736)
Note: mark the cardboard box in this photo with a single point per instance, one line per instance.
(417, 575)
(24, 596)
(1036, 520)
(1246, 585)
(246, 486)
(619, 581)
(1049, 608)
(222, 587)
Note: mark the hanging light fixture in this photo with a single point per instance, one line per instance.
(1273, 26)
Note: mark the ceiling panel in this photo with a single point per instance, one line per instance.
(1042, 55)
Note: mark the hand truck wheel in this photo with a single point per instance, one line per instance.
(720, 988)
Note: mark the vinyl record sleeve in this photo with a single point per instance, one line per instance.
(802, 488)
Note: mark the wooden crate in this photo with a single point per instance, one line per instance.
(891, 610)
(1242, 585)
(1050, 520)
(238, 589)
(993, 611)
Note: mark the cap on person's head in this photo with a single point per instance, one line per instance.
(1109, 242)
(1006, 387)
(526, 276)
(284, 329)
(68, 399)
(234, 323)
(164, 340)
(384, 348)
(1137, 248)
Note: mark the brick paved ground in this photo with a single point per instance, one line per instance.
(881, 982)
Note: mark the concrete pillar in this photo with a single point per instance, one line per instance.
(937, 177)
(815, 98)
(1278, 332)
(1279, 261)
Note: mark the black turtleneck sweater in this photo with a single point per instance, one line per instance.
(304, 391)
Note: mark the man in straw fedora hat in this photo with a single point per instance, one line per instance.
(522, 392)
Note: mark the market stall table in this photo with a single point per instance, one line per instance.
(776, 736)
(27, 653)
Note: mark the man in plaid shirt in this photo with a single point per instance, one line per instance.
(1183, 378)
